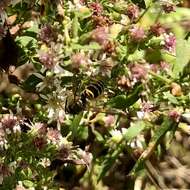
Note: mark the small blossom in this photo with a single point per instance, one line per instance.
(137, 33)
(82, 2)
(64, 152)
(53, 135)
(154, 67)
(169, 42)
(101, 21)
(124, 82)
(136, 143)
(79, 60)
(47, 59)
(157, 29)
(17, 128)
(100, 35)
(109, 47)
(61, 116)
(109, 120)
(132, 11)
(4, 170)
(174, 115)
(164, 65)
(117, 135)
(85, 158)
(8, 122)
(140, 114)
(147, 107)
(138, 71)
(39, 142)
(45, 162)
(47, 34)
(41, 128)
(96, 8)
(168, 7)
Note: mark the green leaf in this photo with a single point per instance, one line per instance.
(124, 101)
(122, 52)
(167, 125)
(140, 3)
(25, 40)
(91, 46)
(118, 70)
(28, 183)
(84, 13)
(75, 125)
(30, 83)
(134, 130)
(171, 98)
(182, 56)
(119, 102)
(75, 26)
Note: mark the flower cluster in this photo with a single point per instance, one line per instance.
(105, 78)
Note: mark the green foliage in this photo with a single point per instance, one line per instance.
(140, 3)
(139, 51)
(182, 57)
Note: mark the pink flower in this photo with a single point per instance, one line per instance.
(170, 42)
(53, 135)
(174, 115)
(164, 65)
(47, 59)
(109, 120)
(96, 7)
(79, 60)
(138, 71)
(154, 67)
(168, 7)
(136, 33)
(147, 107)
(124, 82)
(64, 152)
(8, 122)
(101, 21)
(47, 34)
(41, 128)
(39, 142)
(132, 11)
(100, 35)
(157, 29)
(4, 170)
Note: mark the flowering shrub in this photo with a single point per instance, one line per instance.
(90, 91)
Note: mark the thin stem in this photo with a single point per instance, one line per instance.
(168, 81)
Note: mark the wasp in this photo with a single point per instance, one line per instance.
(74, 105)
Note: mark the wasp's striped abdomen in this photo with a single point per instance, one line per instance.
(74, 105)
(93, 90)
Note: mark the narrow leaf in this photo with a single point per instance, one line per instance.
(182, 56)
(167, 125)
